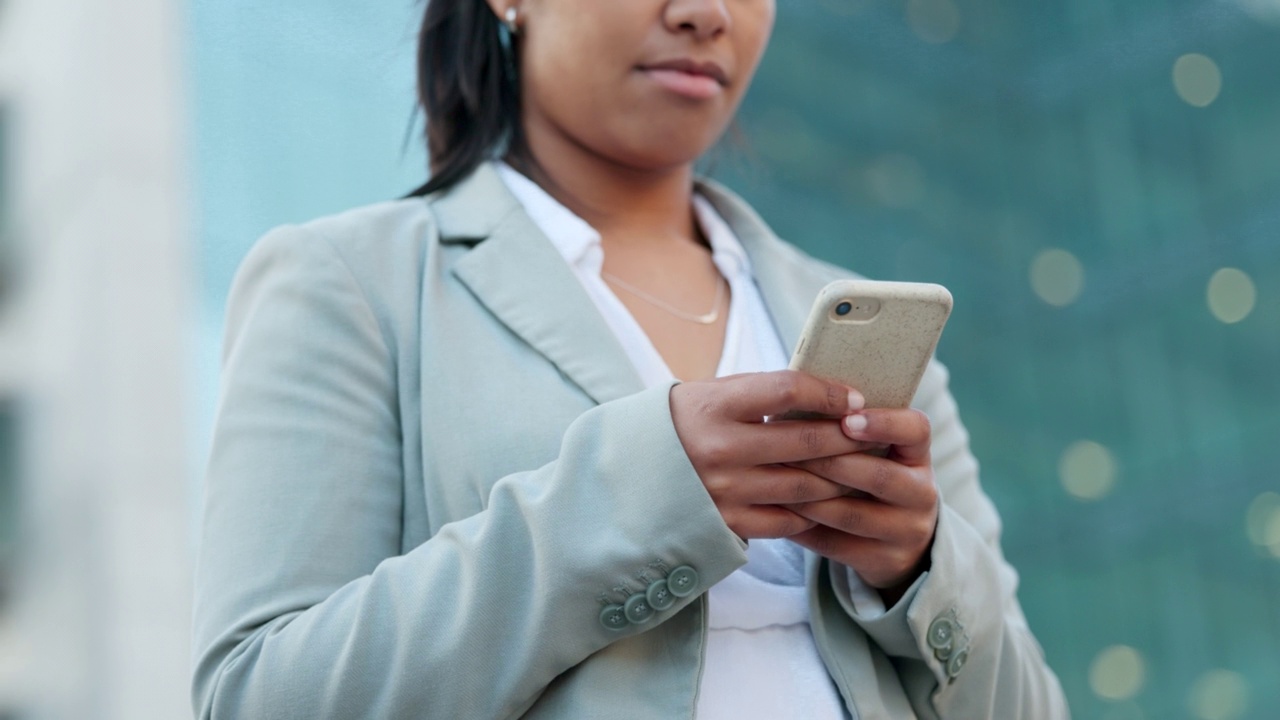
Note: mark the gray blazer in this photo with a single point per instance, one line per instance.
(435, 473)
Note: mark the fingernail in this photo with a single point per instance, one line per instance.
(855, 400)
(855, 423)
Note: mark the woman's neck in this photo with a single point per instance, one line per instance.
(624, 204)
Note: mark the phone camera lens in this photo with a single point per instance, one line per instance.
(844, 308)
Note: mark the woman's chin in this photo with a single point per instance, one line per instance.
(662, 151)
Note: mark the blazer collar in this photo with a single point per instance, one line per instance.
(515, 271)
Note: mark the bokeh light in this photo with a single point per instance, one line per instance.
(934, 21)
(1197, 79)
(1117, 673)
(1262, 522)
(1057, 277)
(1087, 470)
(1219, 695)
(1231, 295)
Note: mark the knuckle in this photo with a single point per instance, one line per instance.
(720, 453)
(810, 439)
(824, 466)
(788, 387)
(912, 535)
(709, 405)
(717, 484)
(894, 564)
(837, 401)
(924, 532)
(852, 519)
(695, 400)
(714, 450)
(793, 525)
(881, 479)
(929, 494)
(801, 488)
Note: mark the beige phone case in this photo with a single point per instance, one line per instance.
(881, 345)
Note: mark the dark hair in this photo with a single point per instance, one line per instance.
(467, 88)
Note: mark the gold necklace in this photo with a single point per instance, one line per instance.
(703, 319)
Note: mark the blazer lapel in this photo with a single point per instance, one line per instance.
(517, 274)
(515, 271)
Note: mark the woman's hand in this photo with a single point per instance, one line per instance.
(753, 469)
(883, 526)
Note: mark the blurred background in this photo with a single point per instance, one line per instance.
(1098, 182)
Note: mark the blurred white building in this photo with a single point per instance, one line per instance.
(95, 559)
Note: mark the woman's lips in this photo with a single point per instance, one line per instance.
(691, 85)
(691, 79)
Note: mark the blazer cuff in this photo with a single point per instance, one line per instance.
(960, 606)
(950, 610)
(669, 512)
(887, 627)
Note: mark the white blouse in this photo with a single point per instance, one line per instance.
(761, 660)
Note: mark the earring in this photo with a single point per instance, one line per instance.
(509, 18)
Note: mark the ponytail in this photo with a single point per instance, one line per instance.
(468, 90)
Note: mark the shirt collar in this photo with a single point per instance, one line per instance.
(574, 239)
(726, 250)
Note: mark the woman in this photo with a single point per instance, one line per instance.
(454, 476)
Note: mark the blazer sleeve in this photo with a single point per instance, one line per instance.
(306, 606)
(958, 638)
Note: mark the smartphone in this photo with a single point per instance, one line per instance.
(876, 337)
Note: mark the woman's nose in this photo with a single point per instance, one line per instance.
(704, 18)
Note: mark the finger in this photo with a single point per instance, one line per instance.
(856, 446)
(851, 550)
(907, 430)
(783, 485)
(772, 485)
(792, 441)
(758, 395)
(766, 521)
(906, 532)
(878, 564)
(886, 480)
(856, 516)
